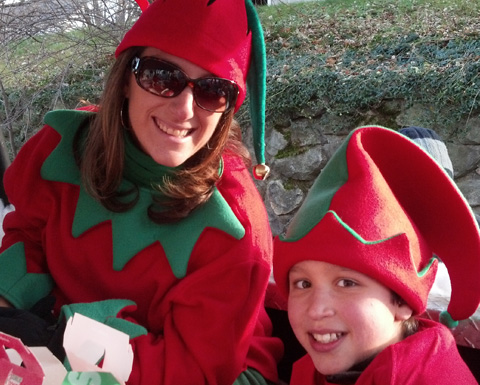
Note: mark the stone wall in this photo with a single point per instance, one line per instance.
(312, 141)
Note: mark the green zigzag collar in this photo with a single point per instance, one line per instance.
(177, 239)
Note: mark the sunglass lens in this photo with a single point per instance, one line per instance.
(214, 94)
(161, 79)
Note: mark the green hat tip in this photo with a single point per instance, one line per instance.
(256, 85)
(446, 319)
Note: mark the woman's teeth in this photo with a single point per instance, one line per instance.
(326, 338)
(177, 133)
(173, 132)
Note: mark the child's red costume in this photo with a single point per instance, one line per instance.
(385, 208)
(193, 291)
(429, 356)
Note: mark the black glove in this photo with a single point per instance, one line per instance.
(35, 327)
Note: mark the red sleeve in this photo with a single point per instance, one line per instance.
(26, 189)
(209, 322)
(22, 253)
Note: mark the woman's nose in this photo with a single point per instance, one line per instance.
(183, 105)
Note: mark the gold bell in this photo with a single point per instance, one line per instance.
(261, 171)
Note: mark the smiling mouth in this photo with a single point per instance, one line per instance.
(172, 131)
(327, 338)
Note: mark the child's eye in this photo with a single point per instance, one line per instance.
(346, 283)
(301, 284)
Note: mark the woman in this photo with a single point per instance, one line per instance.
(141, 213)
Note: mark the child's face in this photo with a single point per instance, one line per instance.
(340, 316)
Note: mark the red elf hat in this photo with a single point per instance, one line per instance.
(223, 37)
(384, 207)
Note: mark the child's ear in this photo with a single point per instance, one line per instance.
(403, 312)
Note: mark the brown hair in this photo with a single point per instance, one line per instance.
(102, 159)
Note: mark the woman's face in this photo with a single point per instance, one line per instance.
(341, 316)
(170, 130)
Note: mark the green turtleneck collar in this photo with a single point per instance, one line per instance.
(140, 168)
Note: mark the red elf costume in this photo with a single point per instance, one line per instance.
(383, 207)
(190, 294)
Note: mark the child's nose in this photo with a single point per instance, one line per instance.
(321, 304)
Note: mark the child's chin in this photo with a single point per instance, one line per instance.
(335, 368)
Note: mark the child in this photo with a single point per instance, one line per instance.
(358, 261)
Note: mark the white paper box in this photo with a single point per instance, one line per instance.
(87, 342)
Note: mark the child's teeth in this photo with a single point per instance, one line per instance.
(326, 338)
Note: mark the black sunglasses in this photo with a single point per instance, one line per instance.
(165, 79)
